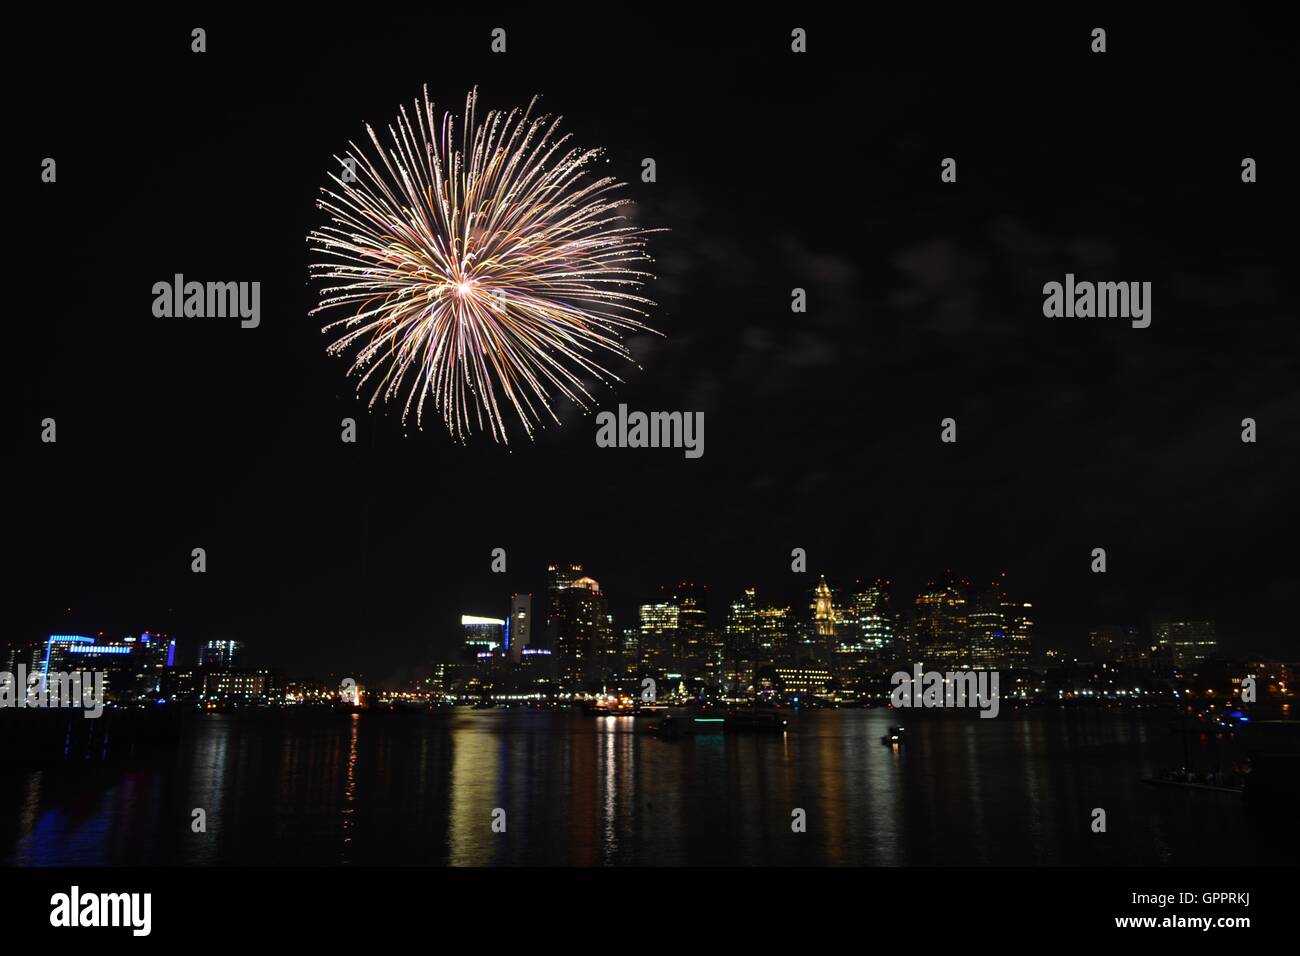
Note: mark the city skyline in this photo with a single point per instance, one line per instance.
(826, 608)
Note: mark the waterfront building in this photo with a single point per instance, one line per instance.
(481, 635)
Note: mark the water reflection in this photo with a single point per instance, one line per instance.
(350, 788)
(577, 790)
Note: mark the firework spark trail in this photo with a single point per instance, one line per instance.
(485, 278)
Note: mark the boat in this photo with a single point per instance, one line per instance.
(610, 705)
(1215, 782)
(895, 737)
(755, 720)
(1209, 725)
(675, 725)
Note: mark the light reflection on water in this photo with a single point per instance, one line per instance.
(576, 790)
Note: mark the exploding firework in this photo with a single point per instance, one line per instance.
(484, 274)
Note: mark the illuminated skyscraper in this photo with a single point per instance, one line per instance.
(776, 634)
(692, 624)
(739, 650)
(990, 645)
(823, 609)
(119, 661)
(1115, 643)
(157, 654)
(220, 655)
(869, 618)
(482, 635)
(611, 648)
(940, 630)
(1186, 642)
(863, 630)
(1018, 619)
(741, 634)
(50, 656)
(559, 578)
(520, 627)
(631, 649)
(583, 637)
(659, 636)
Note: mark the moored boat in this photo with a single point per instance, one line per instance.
(1215, 782)
(755, 720)
(680, 725)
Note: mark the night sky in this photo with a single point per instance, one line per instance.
(775, 171)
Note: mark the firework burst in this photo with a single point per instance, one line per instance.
(482, 274)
